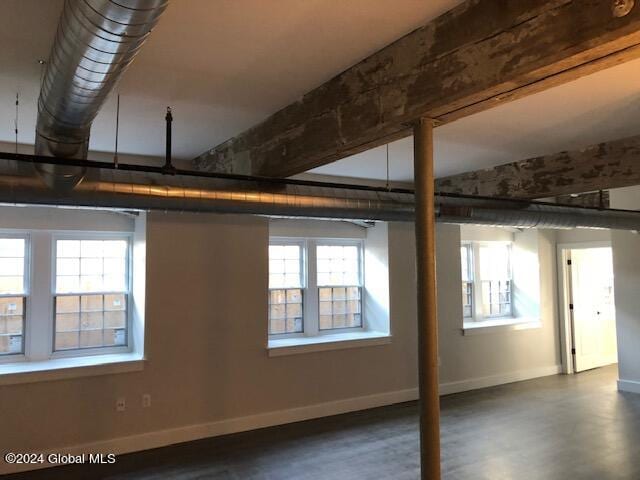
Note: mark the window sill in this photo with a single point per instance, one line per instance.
(338, 341)
(496, 325)
(64, 368)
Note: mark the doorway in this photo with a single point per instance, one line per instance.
(589, 307)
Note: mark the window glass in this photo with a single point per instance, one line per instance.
(338, 265)
(91, 294)
(91, 266)
(339, 292)
(467, 280)
(491, 285)
(285, 266)
(286, 306)
(495, 272)
(12, 295)
(495, 261)
(12, 262)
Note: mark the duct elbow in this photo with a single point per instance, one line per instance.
(61, 177)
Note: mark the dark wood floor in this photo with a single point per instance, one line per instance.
(564, 427)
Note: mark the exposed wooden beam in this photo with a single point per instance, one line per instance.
(604, 166)
(478, 55)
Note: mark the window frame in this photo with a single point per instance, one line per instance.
(478, 281)
(39, 321)
(82, 352)
(311, 290)
(26, 293)
(283, 241)
(347, 243)
(471, 269)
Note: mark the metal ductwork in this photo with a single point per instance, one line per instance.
(525, 214)
(95, 43)
(146, 188)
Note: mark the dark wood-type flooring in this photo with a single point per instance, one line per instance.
(562, 427)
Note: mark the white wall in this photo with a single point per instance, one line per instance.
(583, 235)
(207, 367)
(626, 269)
(498, 357)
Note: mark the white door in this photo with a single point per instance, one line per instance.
(594, 319)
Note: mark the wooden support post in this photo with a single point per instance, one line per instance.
(427, 311)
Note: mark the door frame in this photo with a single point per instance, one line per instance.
(564, 295)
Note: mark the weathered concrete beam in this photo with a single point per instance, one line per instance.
(599, 167)
(478, 55)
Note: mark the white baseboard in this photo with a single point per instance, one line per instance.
(629, 386)
(493, 380)
(163, 438)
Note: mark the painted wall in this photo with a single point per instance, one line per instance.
(207, 367)
(578, 235)
(626, 269)
(205, 347)
(485, 359)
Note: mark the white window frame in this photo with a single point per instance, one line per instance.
(26, 292)
(310, 295)
(471, 269)
(477, 281)
(281, 241)
(82, 352)
(40, 275)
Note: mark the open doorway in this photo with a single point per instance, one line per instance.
(587, 300)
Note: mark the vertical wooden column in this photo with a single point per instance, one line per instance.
(427, 310)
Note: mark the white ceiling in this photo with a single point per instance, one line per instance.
(222, 65)
(226, 65)
(601, 107)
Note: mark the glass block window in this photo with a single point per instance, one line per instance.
(12, 294)
(340, 307)
(285, 311)
(91, 294)
(286, 305)
(467, 280)
(339, 286)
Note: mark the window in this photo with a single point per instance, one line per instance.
(13, 294)
(91, 293)
(486, 280)
(315, 286)
(466, 257)
(495, 275)
(285, 288)
(64, 295)
(339, 286)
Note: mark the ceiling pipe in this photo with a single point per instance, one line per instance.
(95, 42)
(146, 188)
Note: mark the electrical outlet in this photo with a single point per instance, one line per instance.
(146, 400)
(121, 404)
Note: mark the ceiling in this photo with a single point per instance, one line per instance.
(597, 108)
(222, 65)
(226, 65)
